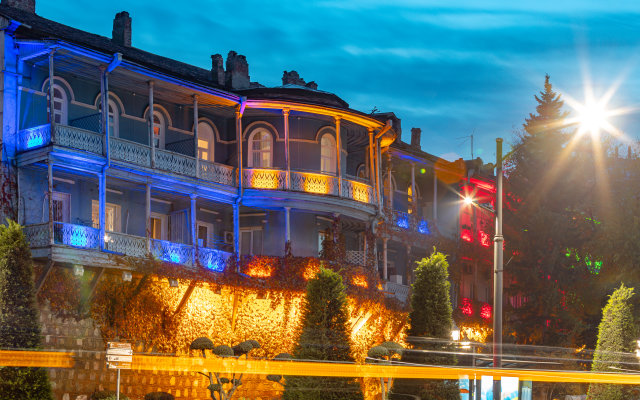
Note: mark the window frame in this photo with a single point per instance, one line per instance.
(209, 239)
(210, 141)
(252, 151)
(65, 198)
(164, 225)
(162, 124)
(332, 158)
(64, 108)
(251, 230)
(117, 215)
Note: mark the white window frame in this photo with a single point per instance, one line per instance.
(207, 139)
(161, 129)
(164, 224)
(252, 151)
(328, 156)
(64, 105)
(117, 215)
(251, 229)
(321, 236)
(209, 240)
(113, 119)
(65, 198)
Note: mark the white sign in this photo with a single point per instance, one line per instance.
(119, 365)
(118, 345)
(118, 358)
(120, 352)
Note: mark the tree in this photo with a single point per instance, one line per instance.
(385, 353)
(549, 189)
(224, 387)
(617, 335)
(429, 319)
(324, 336)
(19, 327)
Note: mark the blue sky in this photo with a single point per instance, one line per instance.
(451, 68)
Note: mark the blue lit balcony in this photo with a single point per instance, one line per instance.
(408, 222)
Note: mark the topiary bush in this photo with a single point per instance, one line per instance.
(106, 395)
(158, 396)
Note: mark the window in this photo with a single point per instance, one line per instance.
(260, 149)
(251, 241)
(205, 141)
(158, 226)
(60, 105)
(112, 216)
(158, 130)
(204, 234)
(322, 235)
(362, 171)
(409, 200)
(61, 207)
(328, 160)
(114, 118)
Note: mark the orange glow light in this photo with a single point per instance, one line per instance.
(360, 192)
(316, 183)
(360, 280)
(311, 271)
(264, 179)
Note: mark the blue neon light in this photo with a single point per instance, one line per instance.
(79, 236)
(403, 221)
(423, 227)
(174, 256)
(34, 141)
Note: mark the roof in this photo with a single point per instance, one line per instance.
(295, 93)
(36, 27)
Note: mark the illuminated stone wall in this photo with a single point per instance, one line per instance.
(224, 313)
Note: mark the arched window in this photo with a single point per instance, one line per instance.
(328, 160)
(114, 118)
(205, 141)
(60, 104)
(158, 129)
(260, 149)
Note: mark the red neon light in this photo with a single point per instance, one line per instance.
(486, 311)
(487, 186)
(466, 307)
(485, 240)
(466, 235)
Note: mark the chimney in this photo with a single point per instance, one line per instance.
(25, 5)
(415, 137)
(237, 73)
(293, 78)
(121, 33)
(217, 69)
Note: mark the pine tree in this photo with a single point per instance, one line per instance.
(324, 336)
(548, 187)
(617, 334)
(19, 328)
(430, 317)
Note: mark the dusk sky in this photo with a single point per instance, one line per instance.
(452, 68)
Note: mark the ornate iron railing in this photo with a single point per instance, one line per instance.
(129, 245)
(135, 153)
(356, 257)
(175, 162)
(77, 138)
(218, 173)
(91, 122)
(358, 191)
(81, 236)
(406, 221)
(213, 259)
(264, 179)
(400, 292)
(173, 252)
(314, 183)
(35, 137)
(37, 235)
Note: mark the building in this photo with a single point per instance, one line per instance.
(194, 166)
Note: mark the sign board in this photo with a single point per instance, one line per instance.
(119, 365)
(119, 355)
(119, 358)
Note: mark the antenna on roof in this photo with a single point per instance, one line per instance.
(375, 110)
(466, 138)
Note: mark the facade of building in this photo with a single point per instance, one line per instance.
(194, 166)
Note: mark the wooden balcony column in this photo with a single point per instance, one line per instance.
(287, 222)
(147, 214)
(195, 134)
(371, 166)
(50, 194)
(151, 125)
(104, 113)
(339, 154)
(385, 254)
(194, 236)
(51, 82)
(102, 209)
(287, 157)
(414, 197)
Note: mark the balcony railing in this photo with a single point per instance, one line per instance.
(81, 236)
(400, 292)
(37, 235)
(308, 182)
(139, 154)
(406, 221)
(173, 252)
(213, 259)
(356, 257)
(128, 245)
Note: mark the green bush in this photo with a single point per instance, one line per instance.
(158, 396)
(107, 395)
(324, 337)
(19, 327)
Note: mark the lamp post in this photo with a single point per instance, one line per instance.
(498, 240)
